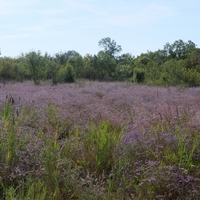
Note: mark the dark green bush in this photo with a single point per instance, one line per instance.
(138, 75)
(70, 75)
(66, 74)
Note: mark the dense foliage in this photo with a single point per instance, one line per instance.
(175, 64)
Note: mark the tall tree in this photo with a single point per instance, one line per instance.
(110, 46)
(179, 49)
(105, 66)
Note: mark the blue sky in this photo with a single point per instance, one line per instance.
(55, 26)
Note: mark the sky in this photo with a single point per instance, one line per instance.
(57, 26)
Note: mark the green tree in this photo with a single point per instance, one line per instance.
(70, 76)
(66, 74)
(90, 63)
(78, 65)
(191, 77)
(62, 58)
(138, 75)
(179, 49)
(193, 60)
(36, 66)
(21, 62)
(142, 61)
(19, 72)
(172, 72)
(110, 46)
(158, 56)
(169, 51)
(6, 68)
(126, 59)
(52, 68)
(124, 68)
(123, 72)
(105, 66)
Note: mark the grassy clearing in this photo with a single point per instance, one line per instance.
(44, 155)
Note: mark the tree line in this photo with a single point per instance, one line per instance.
(176, 64)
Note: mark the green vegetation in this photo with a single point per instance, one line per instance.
(175, 64)
(65, 74)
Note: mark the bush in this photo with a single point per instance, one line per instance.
(138, 75)
(172, 72)
(6, 68)
(60, 76)
(70, 74)
(35, 65)
(66, 74)
(191, 77)
(123, 72)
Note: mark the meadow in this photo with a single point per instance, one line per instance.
(99, 140)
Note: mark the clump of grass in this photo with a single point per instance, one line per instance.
(99, 146)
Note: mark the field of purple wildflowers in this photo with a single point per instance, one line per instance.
(99, 140)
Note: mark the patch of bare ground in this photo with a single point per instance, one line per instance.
(136, 106)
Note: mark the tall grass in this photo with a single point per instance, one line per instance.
(100, 145)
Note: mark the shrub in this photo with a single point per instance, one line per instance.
(123, 72)
(191, 77)
(60, 76)
(70, 74)
(36, 66)
(138, 75)
(66, 74)
(172, 72)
